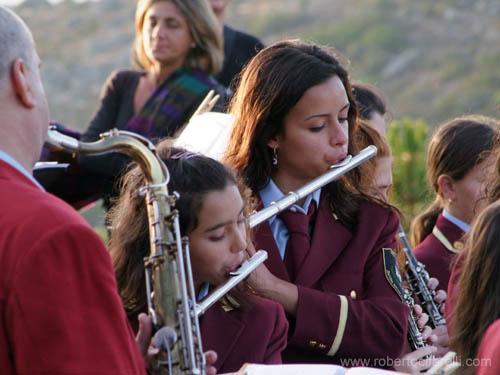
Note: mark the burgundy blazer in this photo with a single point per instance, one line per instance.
(252, 334)
(60, 312)
(346, 307)
(489, 351)
(452, 291)
(437, 256)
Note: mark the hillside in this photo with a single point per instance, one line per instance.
(433, 59)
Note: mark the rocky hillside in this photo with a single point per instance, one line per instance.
(433, 59)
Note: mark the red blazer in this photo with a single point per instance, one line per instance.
(60, 312)
(346, 308)
(452, 291)
(489, 351)
(254, 334)
(436, 255)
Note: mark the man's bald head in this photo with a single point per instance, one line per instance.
(15, 41)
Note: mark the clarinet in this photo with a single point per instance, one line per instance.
(418, 279)
(394, 277)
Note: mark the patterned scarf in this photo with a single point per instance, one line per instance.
(172, 103)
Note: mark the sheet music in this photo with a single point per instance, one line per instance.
(316, 369)
(255, 369)
(207, 134)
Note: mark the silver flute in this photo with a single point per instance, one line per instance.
(336, 171)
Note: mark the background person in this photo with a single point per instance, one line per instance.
(475, 330)
(372, 106)
(458, 163)
(239, 47)
(177, 50)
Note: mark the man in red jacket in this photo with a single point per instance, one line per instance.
(60, 312)
(59, 309)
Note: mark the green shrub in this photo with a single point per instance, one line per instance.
(407, 138)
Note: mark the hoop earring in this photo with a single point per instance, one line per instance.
(275, 156)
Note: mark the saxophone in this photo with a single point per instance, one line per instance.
(171, 299)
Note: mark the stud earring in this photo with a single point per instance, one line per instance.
(275, 156)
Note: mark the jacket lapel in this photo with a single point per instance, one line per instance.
(330, 237)
(220, 331)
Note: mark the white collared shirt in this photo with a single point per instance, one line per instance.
(16, 165)
(459, 223)
(271, 193)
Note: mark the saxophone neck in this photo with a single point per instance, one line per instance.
(133, 145)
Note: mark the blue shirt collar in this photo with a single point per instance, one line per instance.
(17, 166)
(272, 193)
(203, 292)
(459, 223)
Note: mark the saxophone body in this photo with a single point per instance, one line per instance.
(171, 299)
(169, 287)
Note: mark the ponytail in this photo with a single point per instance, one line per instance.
(423, 224)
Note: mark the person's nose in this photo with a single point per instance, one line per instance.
(239, 240)
(339, 134)
(160, 30)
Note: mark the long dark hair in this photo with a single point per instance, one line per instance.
(270, 86)
(192, 176)
(455, 148)
(478, 301)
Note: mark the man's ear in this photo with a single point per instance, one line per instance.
(446, 186)
(20, 83)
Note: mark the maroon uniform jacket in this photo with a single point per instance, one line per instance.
(452, 291)
(254, 334)
(346, 308)
(60, 312)
(439, 248)
(489, 351)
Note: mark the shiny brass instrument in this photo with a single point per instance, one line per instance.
(336, 171)
(169, 283)
(418, 279)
